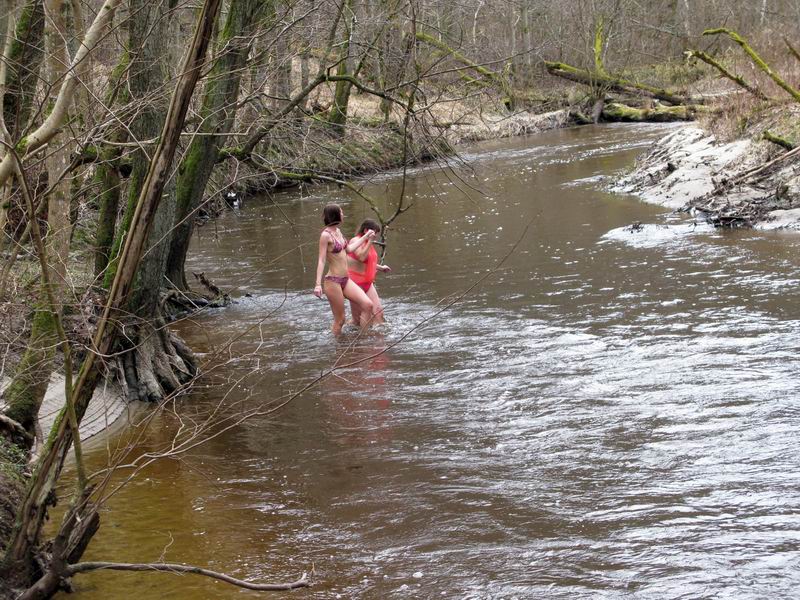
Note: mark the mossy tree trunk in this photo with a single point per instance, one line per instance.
(613, 83)
(759, 62)
(154, 361)
(218, 112)
(25, 393)
(23, 64)
(82, 522)
(107, 177)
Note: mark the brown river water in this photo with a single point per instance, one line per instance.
(610, 414)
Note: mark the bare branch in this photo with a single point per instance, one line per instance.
(85, 567)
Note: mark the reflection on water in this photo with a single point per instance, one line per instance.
(612, 413)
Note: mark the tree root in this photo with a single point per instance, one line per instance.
(156, 362)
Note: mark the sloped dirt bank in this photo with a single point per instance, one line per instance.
(745, 182)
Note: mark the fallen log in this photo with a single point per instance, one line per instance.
(614, 111)
(757, 60)
(775, 139)
(616, 84)
(709, 60)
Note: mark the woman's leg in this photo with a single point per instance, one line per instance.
(377, 306)
(355, 313)
(333, 291)
(355, 294)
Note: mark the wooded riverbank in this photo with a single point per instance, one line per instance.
(125, 125)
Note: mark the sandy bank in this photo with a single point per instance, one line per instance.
(689, 169)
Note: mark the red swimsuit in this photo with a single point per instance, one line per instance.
(367, 278)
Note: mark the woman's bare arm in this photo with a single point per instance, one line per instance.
(357, 241)
(362, 252)
(323, 253)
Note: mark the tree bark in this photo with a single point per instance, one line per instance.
(22, 61)
(27, 390)
(32, 512)
(23, 64)
(218, 112)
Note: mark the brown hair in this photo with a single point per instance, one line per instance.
(368, 224)
(332, 214)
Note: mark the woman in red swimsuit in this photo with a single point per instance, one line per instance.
(332, 249)
(362, 266)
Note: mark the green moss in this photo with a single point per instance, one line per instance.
(12, 460)
(24, 394)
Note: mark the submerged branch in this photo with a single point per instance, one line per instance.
(85, 567)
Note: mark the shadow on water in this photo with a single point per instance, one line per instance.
(610, 414)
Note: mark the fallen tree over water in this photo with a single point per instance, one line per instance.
(643, 102)
(616, 84)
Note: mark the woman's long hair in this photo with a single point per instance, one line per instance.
(332, 214)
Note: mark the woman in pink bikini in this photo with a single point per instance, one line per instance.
(332, 249)
(362, 266)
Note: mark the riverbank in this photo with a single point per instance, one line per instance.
(311, 151)
(731, 181)
(108, 409)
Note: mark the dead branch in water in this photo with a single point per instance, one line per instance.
(85, 567)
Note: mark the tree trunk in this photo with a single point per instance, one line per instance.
(153, 368)
(283, 74)
(661, 114)
(395, 54)
(107, 178)
(108, 182)
(32, 512)
(337, 115)
(218, 112)
(25, 393)
(616, 84)
(23, 63)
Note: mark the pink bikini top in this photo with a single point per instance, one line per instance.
(337, 245)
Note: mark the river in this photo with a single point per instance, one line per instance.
(608, 414)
